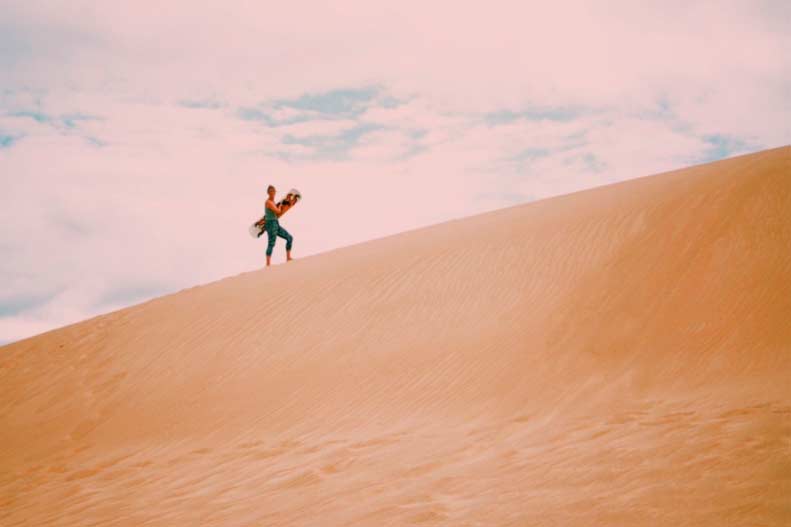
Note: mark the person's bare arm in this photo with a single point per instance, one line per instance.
(273, 206)
(291, 202)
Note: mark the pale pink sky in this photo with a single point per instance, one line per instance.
(136, 140)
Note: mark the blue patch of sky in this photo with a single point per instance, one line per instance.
(533, 113)
(338, 103)
(720, 146)
(70, 120)
(347, 103)
(412, 151)
(388, 101)
(531, 153)
(16, 305)
(663, 111)
(522, 160)
(6, 141)
(64, 123)
(587, 160)
(416, 133)
(593, 163)
(13, 44)
(329, 146)
(201, 104)
(352, 135)
(577, 138)
(415, 147)
(22, 38)
(67, 223)
(255, 114)
(36, 116)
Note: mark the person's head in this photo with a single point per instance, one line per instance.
(271, 191)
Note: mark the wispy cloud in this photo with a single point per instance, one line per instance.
(16, 305)
(329, 105)
(334, 103)
(722, 146)
(322, 125)
(7, 140)
(335, 146)
(116, 128)
(210, 104)
(36, 116)
(25, 122)
(563, 114)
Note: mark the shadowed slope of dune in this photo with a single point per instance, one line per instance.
(617, 356)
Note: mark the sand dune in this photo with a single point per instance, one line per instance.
(616, 356)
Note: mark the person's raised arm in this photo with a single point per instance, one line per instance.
(287, 203)
(270, 204)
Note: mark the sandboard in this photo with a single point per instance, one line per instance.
(259, 227)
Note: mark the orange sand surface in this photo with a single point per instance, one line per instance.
(615, 356)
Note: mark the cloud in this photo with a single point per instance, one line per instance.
(7, 140)
(722, 146)
(135, 150)
(36, 116)
(533, 114)
(12, 306)
(341, 102)
(334, 146)
(208, 103)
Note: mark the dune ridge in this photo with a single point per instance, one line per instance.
(616, 356)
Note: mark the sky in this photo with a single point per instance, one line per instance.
(137, 139)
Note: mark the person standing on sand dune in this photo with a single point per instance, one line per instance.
(273, 228)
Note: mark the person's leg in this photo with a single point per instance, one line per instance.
(271, 232)
(283, 233)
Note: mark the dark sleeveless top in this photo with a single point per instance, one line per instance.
(270, 215)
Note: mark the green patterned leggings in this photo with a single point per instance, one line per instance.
(273, 230)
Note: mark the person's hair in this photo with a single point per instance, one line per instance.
(270, 187)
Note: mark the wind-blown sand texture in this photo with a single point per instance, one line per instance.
(615, 356)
